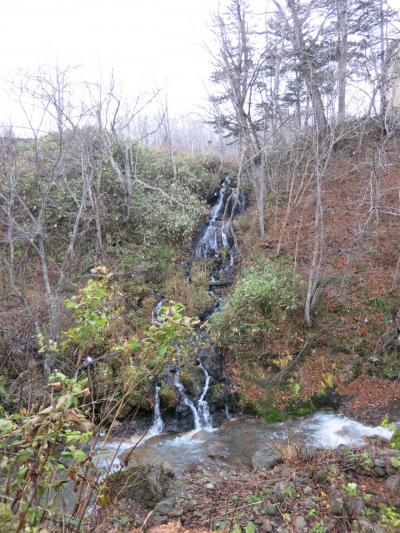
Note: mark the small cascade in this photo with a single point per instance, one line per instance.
(158, 424)
(187, 401)
(227, 413)
(157, 310)
(209, 243)
(203, 407)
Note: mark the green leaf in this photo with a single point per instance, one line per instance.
(79, 455)
(134, 344)
(6, 425)
(250, 528)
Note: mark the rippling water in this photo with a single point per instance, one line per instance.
(236, 441)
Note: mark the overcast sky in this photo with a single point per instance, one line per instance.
(146, 42)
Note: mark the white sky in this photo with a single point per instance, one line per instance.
(146, 42)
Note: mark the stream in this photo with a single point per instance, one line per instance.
(236, 440)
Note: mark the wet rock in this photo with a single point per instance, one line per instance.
(169, 397)
(146, 484)
(218, 395)
(355, 505)
(264, 459)
(336, 504)
(300, 523)
(379, 463)
(393, 484)
(380, 472)
(192, 378)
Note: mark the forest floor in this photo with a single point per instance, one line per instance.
(333, 490)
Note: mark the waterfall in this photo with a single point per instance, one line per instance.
(187, 401)
(209, 242)
(158, 424)
(203, 407)
(156, 310)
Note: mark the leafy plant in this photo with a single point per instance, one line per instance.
(41, 455)
(351, 489)
(264, 295)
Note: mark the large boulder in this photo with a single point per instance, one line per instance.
(265, 458)
(192, 378)
(169, 397)
(146, 484)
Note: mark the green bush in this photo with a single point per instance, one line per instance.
(264, 295)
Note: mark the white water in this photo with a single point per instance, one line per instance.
(236, 441)
(330, 430)
(158, 424)
(187, 401)
(208, 243)
(203, 407)
(157, 310)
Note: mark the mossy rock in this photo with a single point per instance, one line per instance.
(264, 408)
(169, 396)
(192, 378)
(138, 402)
(218, 395)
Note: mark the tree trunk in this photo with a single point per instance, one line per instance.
(343, 55)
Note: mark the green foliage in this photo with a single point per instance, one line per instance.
(91, 315)
(169, 338)
(351, 489)
(41, 455)
(395, 440)
(389, 517)
(264, 295)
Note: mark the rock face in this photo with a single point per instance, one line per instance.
(192, 379)
(146, 484)
(265, 458)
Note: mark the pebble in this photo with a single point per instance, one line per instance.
(379, 463)
(267, 526)
(300, 523)
(336, 504)
(380, 472)
(210, 486)
(176, 513)
(271, 509)
(309, 503)
(355, 505)
(308, 490)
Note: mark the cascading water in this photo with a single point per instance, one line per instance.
(203, 407)
(187, 401)
(157, 310)
(158, 424)
(209, 243)
(215, 237)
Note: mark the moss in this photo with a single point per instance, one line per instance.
(169, 396)
(192, 378)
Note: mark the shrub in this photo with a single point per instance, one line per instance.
(264, 296)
